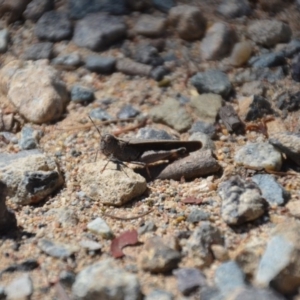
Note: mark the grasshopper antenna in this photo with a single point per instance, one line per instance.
(99, 134)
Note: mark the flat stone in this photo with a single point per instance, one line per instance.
(97, 185)
(171, 113)
(98, 31)
(234, 8)
(271, 190)
(212, 81)
(267, 60)
(218, 41)
(100, 227)
(116, 284)
(279, 265)
(39, 51)
(54, 26)
(150, 26)
(30, 176)
(259, 156)
(156, 257)
(100, 64)
(188, 22)
(55, 249)
(268, 33)
(241, 201)
(288, 143)
(206, 107)
(20, 288)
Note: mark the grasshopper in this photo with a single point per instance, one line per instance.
(144, 152)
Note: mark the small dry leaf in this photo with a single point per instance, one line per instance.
(192, 200)
(127, 238)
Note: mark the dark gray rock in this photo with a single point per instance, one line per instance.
(252, 74)
(212, 81)
(127, 111)
(100, 114)
(148, 226)
(267, 60)
(100, 64)
(229, 277)
(116, 284)
(39, 51)
(156, 257)
(158, 73)
(80, 8)
(159, 295)
(147, 133)
(241, 201)
(7, 218)
(68, 61)
(147, 54)
(234, 8)
(271, 190)
(56, 250)
(27, 265)
(292, 48)
(36, 8)
(163, 5)
(4, 38)
(295, 69)
(54, 26)
(3, 293)
(203, 127)
(29, 138)
(98, 31)
(197, 215)
(81, 94)
(288, 101)
(189, 279)
(67, 278)
(268, 33)
(288, 143)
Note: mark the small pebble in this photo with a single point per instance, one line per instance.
(100, 64)
(81, 94)
(100, 227)
(100, 114)
(4, 37)
(128, 111)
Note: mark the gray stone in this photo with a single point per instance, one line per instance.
(3, 293)
(295, 69)
(150, 26)
(39, 51)
(259, 156)
(158, 73)
(91, 284)
(159, 295)
(241, 201)
(207, 128)
(280, 264)
(67, 278)
(292, 48)
(66, 216)
(268, 60)
(268, 33)
(218, 41)
(266, 74)
(90, 245)
(170, 112)
(156, 257)
(4, 37)
(206, 107)
(207, 143)
(288, 143)
(210, 293)
(80, 8)
(68, 61)
(229, 277)
(128, 111)
(271, 190)
(198, 246)
(148, 226)
(29, 138)
(7, 218)
(37, 92)
(20, 288)
(188, 22)
(147, 54)
(97, 185)
(100, 227)
(197, 215)
(253, 88)
(133, 68)
(212, 81)
(36, 8)
(147, 133)
(54, 26)
(100, 64)
(234, 8)
(30, 176)
(100, 114)
(250, 293)
(98, 31)
(80, 94)
(253, 107)
(57, 250)
(163, 5)
(189, 279)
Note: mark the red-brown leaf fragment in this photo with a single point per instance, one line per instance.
(192, 200)
(127, 238)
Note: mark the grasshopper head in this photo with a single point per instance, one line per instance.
(108, 144)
